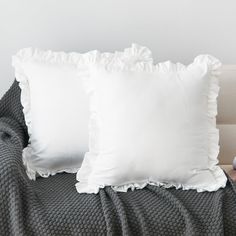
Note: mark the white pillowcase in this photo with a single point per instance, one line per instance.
(151, 124)
(56, 107)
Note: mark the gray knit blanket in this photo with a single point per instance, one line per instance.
(51, 206)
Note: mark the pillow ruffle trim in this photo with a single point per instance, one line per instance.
(33, 172)
(84, 187)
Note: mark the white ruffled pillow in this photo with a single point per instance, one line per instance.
(56, 107)
(151, 124)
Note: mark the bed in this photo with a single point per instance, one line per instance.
(51, 206)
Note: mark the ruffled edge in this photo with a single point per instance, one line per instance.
(118, 61)
(212, 65)
(84, 187)
(33, 172)
(136, 52)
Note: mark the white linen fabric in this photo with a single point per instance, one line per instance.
(151, 124)
(55, 107)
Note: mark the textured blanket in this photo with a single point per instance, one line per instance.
(51, 206)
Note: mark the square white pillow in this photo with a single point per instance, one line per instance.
(56, 107)
(151, 124)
